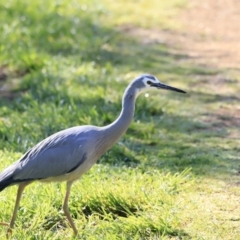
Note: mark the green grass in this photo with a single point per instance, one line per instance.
(173, 175)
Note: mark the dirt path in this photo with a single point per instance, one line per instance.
(209, 37)
(212, 37)
(212, 32)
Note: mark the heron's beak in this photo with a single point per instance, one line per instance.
(163, 86)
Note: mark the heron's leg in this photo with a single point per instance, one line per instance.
(21, 187)
(65, 208)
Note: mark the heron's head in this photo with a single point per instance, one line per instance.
(149, 82)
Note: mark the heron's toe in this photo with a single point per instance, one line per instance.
(4, 224)
(9, 233)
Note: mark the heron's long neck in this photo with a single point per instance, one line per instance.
(116, 129)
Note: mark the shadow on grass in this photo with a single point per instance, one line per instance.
(85, 40)
(181, 147)
(114, 209)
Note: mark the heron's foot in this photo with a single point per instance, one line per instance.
(4, 224)
(9, 233)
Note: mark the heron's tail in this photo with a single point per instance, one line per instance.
(4, 184)
(6, 177)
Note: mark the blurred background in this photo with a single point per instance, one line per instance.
(66, 63)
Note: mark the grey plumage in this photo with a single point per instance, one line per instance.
(66, 155)
(69, 145)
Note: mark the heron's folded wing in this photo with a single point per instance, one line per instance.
(53, 159)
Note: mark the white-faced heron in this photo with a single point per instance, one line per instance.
(68, 154)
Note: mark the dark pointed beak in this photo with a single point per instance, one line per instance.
(163, 86)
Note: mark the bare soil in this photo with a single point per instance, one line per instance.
(209, 37)
(212, 37)
(212, 32)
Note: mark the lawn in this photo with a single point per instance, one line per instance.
(173, 175)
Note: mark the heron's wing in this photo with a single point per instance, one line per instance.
(52, 157)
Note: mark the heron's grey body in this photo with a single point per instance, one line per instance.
(63, 153)
(66, 155)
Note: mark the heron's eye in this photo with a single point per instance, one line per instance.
(149, 82)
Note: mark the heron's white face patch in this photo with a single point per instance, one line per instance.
(148, 80)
